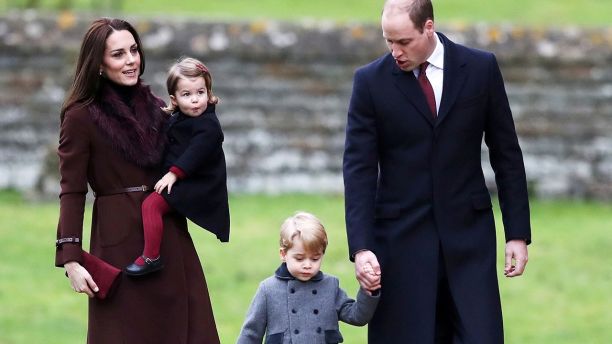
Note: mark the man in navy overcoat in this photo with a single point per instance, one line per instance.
(417, 207)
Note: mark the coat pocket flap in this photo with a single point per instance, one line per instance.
(387, 211)
(333, 336)
(481, 201)
(467, 102)
(275, 338)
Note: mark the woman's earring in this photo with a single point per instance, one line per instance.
(100, 73)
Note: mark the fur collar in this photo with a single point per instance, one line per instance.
(132, 120)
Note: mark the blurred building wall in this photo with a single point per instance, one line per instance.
(284, 91)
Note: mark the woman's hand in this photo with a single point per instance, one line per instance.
(80, 279)
(167, 181)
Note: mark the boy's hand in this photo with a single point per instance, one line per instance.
(167, 181)
(367, 268)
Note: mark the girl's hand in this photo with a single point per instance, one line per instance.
(167, 181)
(80, 279)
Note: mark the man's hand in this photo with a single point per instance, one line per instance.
(167, 181)
(367, 270)
(516, 258)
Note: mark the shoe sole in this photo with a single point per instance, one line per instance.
(131, 274)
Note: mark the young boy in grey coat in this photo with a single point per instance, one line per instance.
(301, 304)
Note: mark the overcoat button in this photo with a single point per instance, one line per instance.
(318, 330)
(316, 311)
(314, 292)
(296, 331)
(293, 311)
(292, 291)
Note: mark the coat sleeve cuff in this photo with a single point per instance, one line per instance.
(67, 253)
(527, 240)
(180, 174)
(352, 256)
(368, 303)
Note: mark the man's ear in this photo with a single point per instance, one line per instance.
(429, 26)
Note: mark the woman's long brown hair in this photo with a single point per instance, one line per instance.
(86, 76)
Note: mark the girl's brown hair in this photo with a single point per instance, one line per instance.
(188, 67)
(87, 74)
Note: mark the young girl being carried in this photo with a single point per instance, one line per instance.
(195, 182)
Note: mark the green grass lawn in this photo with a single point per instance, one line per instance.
(536, 13)
(564, 298)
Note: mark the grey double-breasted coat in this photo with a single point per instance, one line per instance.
(288, 310)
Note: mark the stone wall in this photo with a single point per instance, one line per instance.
(284, 91)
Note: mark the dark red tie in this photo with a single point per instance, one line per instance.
(427, 89)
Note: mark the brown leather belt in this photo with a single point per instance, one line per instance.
(142, 188)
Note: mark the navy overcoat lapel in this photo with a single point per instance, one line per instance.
(455, 73)
(409, 86)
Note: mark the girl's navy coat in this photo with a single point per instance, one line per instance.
(195, 146)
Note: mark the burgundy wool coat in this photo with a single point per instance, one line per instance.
(169, 306)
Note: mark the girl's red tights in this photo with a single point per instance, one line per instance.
(154, 207)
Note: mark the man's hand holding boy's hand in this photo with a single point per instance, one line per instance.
(367, 270)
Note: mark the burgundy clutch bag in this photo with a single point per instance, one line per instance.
(104, 274)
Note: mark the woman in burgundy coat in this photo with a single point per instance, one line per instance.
(112, 138)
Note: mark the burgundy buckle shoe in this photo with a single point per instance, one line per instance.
(150, 265)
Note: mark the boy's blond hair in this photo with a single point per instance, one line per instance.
(306, 227)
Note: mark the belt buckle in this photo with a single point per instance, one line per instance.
(144, 188)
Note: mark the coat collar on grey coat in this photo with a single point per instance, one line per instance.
(283, 273)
